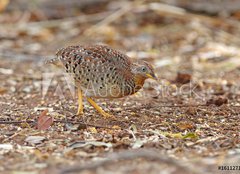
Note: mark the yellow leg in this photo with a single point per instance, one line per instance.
(80, 102)
(99, 109)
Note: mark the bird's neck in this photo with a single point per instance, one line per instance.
(139, 80)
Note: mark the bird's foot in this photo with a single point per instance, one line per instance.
(107, 115)
(79, 112)
(80, 103)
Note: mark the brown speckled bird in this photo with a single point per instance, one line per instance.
(102, 72)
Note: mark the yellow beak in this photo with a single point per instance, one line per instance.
(152, 76)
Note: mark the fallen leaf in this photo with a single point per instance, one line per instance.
(166, 134)
(6, 146)
(116, 127)
(89, 144)
(42, 109)
(44, 121)
(93, 130)
(40, 155)
(209, 139)
(133, 128)
(35, 139)
(138, 143)
(71, 127)
(190, 135)
(185, 125)
(175, 135)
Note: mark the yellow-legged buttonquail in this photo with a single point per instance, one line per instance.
(102, 72)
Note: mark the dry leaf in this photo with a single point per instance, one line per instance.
(42, 109)
(89, 144)
(185, 125)
(93, 130)
(190, 135)
(116, 127)
(6, 146)
(35, 139)
(138, 143)
(44, 121)
(40, 155)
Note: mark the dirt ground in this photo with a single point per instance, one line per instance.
(186, 122)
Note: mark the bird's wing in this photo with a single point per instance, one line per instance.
(112, 56)
(116, 59)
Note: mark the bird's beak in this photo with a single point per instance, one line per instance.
(152, 76)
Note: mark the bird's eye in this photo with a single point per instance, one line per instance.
(144, 69)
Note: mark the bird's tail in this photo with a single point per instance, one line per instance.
(55, 61)
(52, 61)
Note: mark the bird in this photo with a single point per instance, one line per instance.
(100, 71)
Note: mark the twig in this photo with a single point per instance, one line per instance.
(74, 20)
(130, 155)
(81, 123)
(112, 17)
(202, 105)
(169, 106)
(14, 135)
(182, 106)
(20, 56)
(57, 22)
(108, 19)
(17, 122)
(55, 121)
(170, 9)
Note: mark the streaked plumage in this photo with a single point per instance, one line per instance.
(102, 72)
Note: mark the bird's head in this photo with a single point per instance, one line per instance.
(142, 70)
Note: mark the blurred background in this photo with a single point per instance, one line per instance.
(177, 34)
